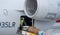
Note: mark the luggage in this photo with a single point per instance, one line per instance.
(33, 29)
(25, 28)
(41, 33)
(27, 33)
(32, 33)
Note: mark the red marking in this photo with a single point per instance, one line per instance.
(57, 20)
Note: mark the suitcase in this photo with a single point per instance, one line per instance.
(33, 29)
(25, 28)
(27, 33)
(32, 33)
(41, 33)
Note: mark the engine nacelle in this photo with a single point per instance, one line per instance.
(42, 9)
